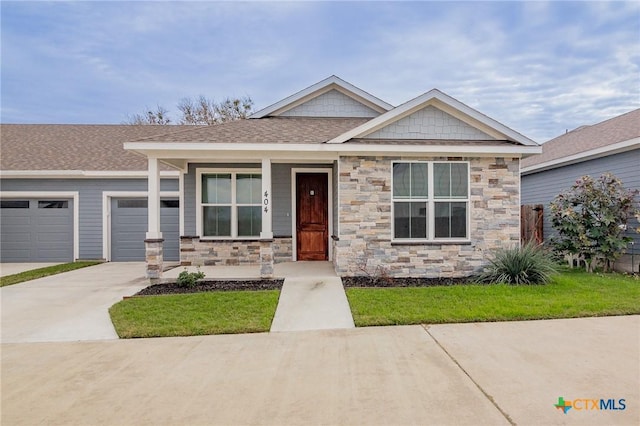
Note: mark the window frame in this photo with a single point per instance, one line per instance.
(431, 201)
(233, 204)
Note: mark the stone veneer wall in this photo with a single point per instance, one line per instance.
(365, 220)
(197, 252)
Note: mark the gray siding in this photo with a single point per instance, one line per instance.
(331, 104)
(429, 123)
(90, 197)
(542, 187)
(281, 199)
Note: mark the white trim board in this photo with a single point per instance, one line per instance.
(75, 195)
(294, 193)
(106, 213)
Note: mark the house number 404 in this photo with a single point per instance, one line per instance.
(266, 201)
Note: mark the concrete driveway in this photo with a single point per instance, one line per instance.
(475, 374)
(69, 306)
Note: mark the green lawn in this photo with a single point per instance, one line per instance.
(44, 272)
(218, 312)
(570, 294)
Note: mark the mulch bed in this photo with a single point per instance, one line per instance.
(404, 282)
(231, 285)
(201, 286)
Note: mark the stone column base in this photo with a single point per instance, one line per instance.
(266, 259)
(154, 258)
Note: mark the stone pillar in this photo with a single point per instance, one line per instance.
(266, 259)
(154, 258)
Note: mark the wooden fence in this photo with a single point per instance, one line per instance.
(531, 223)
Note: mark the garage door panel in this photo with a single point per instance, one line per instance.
(37, 234)
(129, 219)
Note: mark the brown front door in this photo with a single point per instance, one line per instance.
(312, 216)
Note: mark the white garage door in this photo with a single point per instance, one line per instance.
(129, 220)
(36, 230)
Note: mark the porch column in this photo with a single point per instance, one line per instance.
(266, 235)
(154, 241)
(267, 232)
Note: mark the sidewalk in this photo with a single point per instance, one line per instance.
(455, 374)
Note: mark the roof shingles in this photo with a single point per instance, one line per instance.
(618, 129)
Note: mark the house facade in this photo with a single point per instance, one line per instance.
(610, 146)
(331, 173)
(429, 188)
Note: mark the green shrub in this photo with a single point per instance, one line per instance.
(528, 264)
(188, 279)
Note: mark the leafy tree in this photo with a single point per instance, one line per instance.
(591, 218)
(204, 111)
(159, 116)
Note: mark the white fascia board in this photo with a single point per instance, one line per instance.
(447, 104)
(604, 151)
(79, 174)
(205, 151)
(322, 87)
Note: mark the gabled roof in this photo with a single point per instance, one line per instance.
(609, 137)
(446, 103)
(324, 86)
(74, 147)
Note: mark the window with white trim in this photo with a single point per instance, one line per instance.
(430, 201)
(231, 204)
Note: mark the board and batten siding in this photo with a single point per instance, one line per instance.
(542, 187)
(90, 202)
(280, 185)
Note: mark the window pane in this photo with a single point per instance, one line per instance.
(14, 204)
(216, 221)
(401, 180)
(132, 204)
(418, 220)
(401, 220)
(248, 189)
(442, 220)
(216, 189)
(249, 221)
(442, 178)
(419, 180)
(450, 220)
(410, 220)
(171, 204)
(458, 220)
(53, 204)
(459, 180)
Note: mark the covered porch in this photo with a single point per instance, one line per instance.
(244, 209)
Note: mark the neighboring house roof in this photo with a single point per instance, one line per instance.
(618, 134)
(329, 84)
(435, 98)
(74, 147)
(274, 130)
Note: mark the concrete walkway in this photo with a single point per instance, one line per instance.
(459, 374)
(69, 306)
(312, 296)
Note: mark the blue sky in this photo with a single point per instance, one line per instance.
(538, 67)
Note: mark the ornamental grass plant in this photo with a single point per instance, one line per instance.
(522, 265)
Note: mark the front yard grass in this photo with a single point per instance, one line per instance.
(218, 312)
(570, 294)
(44, 272)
